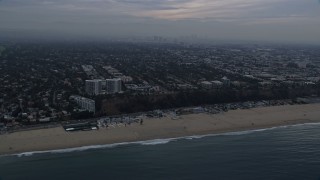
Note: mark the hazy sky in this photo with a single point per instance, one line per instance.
(274, 20)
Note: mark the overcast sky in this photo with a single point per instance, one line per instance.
(272, 20)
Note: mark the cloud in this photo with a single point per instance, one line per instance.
(168, 9)
(225, 18)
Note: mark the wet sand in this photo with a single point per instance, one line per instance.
(159, 128)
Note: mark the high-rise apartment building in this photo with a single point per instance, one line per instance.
(113, 85)
(94, 87)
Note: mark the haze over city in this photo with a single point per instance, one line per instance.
(159, 89)
(253, 20)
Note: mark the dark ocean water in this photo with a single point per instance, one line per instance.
(279, 153)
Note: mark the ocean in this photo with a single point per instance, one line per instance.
(291, 152)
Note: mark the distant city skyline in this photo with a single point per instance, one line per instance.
(253, 20)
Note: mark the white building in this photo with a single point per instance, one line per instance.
(216, 84)
(126, 79)
(226, 82)
(94, 87)
(85, 103)
(206, 84)
(113, 85)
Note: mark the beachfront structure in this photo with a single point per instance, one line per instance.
(85, 126)
(113, 85)
(94, 87)
(2, 126)
(84, 103)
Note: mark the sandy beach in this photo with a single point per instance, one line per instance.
(158, 128)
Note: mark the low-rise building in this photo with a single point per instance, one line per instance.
(206, 84)
(84, 103)
(216, 84)
(2, 126)
(226, 82)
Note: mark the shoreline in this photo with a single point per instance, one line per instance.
(55, 139)
(151, 141)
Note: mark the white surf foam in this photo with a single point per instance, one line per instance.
(67, 150)
(157, 141)
(197, 136)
